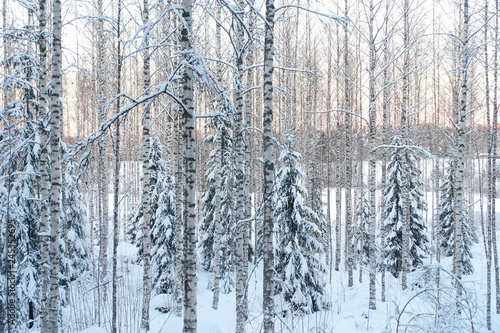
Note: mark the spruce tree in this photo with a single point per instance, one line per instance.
(222, 140)
(447, 203)
(19, 182)
(75, 217)
(300, 271)
(362, 231)
(163, 228)
(393, 210)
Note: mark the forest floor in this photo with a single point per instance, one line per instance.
(422, 307)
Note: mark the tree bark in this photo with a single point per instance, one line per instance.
(405, 215)
(114, 320)
(241, 239)
(44, 171)
(349, 246)
(373, 174)
(460, 126)
(148, 182)
(55, 178)
(189, 213)
(268, 149)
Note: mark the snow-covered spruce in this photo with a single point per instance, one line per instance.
(393, 224)
(162, 221)
(24, 213)
(447, 203)
(300, 270)
(222, 140)
(78, 255)
(362, 230)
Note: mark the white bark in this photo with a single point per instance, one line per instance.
(373, 167)
(44, 172)
(189, 213)
(218, 171)
(405, 215)
(55, 177)
(349, 246)
(241, 239)
(179, 268)
(102, 162)
(116, 188)
(268, 149)
(460, 141)
(148, 183)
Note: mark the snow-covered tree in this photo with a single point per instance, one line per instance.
(362, 230)
(162, 225)
(163, 228)
(393, 202)
(447, 204)
(19, 182)
(75, 217)
(220, 157)
(299, 266)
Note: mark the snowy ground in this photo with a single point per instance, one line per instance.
(348, 313)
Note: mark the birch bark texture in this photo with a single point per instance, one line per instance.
(116, 189)
(460, 126)
(241, 227)
(268, 150)
(44, 170)
(189, 212)
(55, 177)
(148, 180)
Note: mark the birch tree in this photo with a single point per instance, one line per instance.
(189, 213)
(55, 176)
(148, 180)
(268, 159)
(44, 171)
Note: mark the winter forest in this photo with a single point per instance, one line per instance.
(249, 166)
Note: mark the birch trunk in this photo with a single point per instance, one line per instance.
(44, 171)
(405, 215)
(241, 241)
(493, 178)
(385, 123)
(349, 253)
(268, 149)
(461, 132)
(487, 231)
(189, 213)
(55, 177)
(338, 172)
(179, 268)
(102, 165)
(218, 171)
(114, 320)
(373, 175)
(148, 182)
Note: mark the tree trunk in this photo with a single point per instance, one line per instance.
(218, 171)
(102, 162)
(44, 171)
(405, 215)
(189, 213)
(114, 320)
(148, 182)
(179, 265)
(493, 178)
(460, 141)
(349, 246)
(268, 149)
(373, 174)
(55, 178)
(241, 239)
